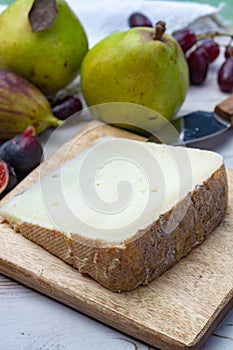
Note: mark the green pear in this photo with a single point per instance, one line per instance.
(49, 58)
(143, 66)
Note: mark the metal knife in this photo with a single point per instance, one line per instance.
(196, 126)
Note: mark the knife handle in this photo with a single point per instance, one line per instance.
(225, 109)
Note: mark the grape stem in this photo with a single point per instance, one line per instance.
(213, 35)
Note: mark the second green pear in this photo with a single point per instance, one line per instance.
(49, 58)
(136, 67)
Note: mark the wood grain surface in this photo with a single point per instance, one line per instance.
(179, 310)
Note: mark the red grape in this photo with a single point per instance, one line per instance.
(67, 106)
(186, 38)
(225, 75)
(138, 19)
(198, 62)
(211, 48)
(228, 51)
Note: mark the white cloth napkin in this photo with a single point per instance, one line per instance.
(102, 17)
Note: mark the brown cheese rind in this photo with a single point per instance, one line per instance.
(151, 251)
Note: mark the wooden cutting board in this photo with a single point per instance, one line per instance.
(179, 310)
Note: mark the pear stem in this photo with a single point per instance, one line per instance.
(160, 29)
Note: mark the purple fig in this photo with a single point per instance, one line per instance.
(22, 104)
(8, 178)
(23, 152)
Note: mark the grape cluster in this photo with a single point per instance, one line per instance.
(200, 51)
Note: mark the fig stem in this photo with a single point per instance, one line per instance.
(160, 28)
(48, 121)
(30, 131)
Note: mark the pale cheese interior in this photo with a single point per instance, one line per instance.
(112, 189)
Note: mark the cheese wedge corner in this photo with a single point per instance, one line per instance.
(124, 211)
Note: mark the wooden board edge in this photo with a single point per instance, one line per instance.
(110, 318)
(97, 312)
(225, 307)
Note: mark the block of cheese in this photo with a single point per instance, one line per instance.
(124, 211)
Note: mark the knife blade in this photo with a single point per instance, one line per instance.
(196, 126)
